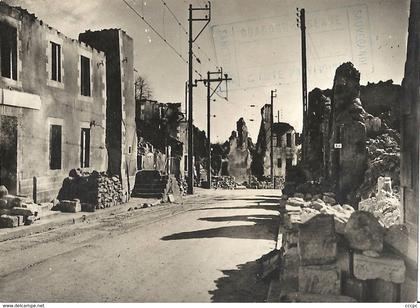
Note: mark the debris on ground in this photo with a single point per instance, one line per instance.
(332, 251)
(96, 188)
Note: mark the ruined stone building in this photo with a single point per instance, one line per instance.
(55, 104)
(121, 138)
(340, 130)
(239, 155)
(159, 132)
(285, 147)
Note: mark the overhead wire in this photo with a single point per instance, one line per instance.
(165, 41)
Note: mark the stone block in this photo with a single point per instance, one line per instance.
(344, 261)
(293, 208)
(409, 290)
(387, 267)
(68, 206)
(348, 208)
(382, 291)
(364, 232)
(317, 204)
(87, 207)
(300, 297)
(320, 279)
(317, 241)
(329, 200)
(7, 221)
(292, 237)
(339, 224)
(291, 263)
(3, 191)
(30, 220)
(21, 220)
(23, 211)
(355, 288)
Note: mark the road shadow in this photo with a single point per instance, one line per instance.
(263, 227)
(241, 285)
(269, 207)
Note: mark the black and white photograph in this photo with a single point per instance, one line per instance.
(209, 151)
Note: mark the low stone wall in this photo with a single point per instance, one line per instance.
(333, 253)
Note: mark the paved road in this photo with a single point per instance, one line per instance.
(204, 250)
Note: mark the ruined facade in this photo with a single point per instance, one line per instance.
(239, 156)
(159, 133)
(285, 147)
(121, 138)
(52, 105)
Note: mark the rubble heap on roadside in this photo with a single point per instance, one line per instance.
(383, 160)
(333, 253)
(224, 182)
(385, 205)
(88, 191)
(16, 211)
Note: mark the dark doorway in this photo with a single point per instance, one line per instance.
(8, 153)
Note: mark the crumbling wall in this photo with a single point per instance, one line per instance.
(239, 157)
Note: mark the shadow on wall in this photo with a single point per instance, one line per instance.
(264, 227)
(241, 285)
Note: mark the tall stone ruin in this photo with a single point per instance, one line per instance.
(348, 155)
(239, 156)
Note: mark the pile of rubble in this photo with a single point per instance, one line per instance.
(333, 253)
(93, 190)
(383, 160)
(223, 182)
(265, 183)
(16, 211)
(385, 205)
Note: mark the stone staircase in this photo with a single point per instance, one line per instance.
(152, 184)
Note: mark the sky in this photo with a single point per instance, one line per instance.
(257, 42)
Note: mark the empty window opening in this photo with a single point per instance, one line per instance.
(289, 140)
(279, 162)
(85, 148)
(8, 51)
(55, 147)
(85, 76)
(55, 62)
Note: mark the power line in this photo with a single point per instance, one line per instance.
(184, 29)
(165, 40)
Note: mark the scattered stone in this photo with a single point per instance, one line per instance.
(387, 267)
(23, 211)
(299, 195)
(329, 200)
(171, 197)
(88, 207)
(8, 221)
(329, 194)
(339, 224)
(317, 241)
(355, 288)
(130, 209)
(4, 204)
(308, 197)
(292, 208)
(300, 297)
(3, 191)
(294, 201)
(30, 220)
(371, 253)
(70, 206)
(364, 232)
(397, 238)
(320, 279)
(383, 291)
(21, 220)
(317, 204)
(347, 207)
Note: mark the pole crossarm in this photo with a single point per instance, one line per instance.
(222, 77)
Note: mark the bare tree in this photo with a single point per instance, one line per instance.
(142, 89)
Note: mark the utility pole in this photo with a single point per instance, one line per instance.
(302, 25)
(191, 40)
(272, 96)
(222, 77)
